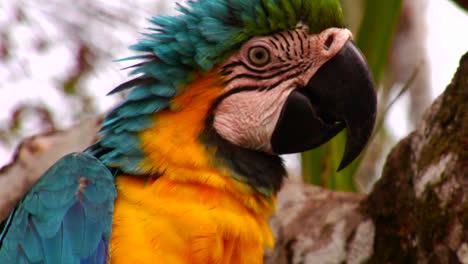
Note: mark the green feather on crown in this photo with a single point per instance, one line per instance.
(205, 34)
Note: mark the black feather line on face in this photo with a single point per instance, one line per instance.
(287, 43)
(264, 77)
(300, 42)
(247, 67)
(289, 77)
(273, 43)
(262, 171)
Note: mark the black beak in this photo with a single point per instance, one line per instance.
(340, 95)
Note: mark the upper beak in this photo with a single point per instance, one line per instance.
(340, 95)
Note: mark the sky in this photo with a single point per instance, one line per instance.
(447, 41)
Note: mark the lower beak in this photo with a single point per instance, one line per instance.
(340, 95)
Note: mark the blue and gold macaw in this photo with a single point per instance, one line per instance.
(187, 167)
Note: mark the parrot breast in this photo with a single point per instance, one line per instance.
(191, 209)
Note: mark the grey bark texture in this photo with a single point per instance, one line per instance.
(416, 213)
(316, 225)
(420, 206)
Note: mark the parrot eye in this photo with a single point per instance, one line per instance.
(259, 56)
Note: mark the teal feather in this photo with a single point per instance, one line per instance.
(77, 239)
(153, 29)
(96, 258)
(156, 36)
(138, 57)
(185, 43)
(127, 142)
(217, 9)
(145, 45)
(168, 53)
(32, 244)
(215, 31)
(132, 83)
(92, 233)
(127, 163)
(56, 199)
(168, 22)
(52, 246)
(132, 124)
(150, 68)
(68, 231)
(145, 91)
(47, 222)
(143, 106)
(163, 90)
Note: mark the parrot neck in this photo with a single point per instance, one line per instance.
(184, 147)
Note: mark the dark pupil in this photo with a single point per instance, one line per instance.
(259, 55)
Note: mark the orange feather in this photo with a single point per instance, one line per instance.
(191, 211)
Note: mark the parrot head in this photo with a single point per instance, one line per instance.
(293, 91)
(290, 74)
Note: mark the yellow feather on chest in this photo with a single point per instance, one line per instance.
(190, 211)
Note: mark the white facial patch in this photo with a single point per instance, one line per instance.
(248, 118)
(265, 72)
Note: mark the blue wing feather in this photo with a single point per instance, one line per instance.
(65, 218)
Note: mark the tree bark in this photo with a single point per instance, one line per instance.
(420, 205)
(416, 213)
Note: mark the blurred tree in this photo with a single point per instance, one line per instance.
(407, 68)
(56, 61)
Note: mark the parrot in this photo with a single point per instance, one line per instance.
(186, 169)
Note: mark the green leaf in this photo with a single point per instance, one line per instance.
(319, 166)
(376, 32)
(380, 20)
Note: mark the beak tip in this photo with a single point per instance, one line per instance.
(342, 166)
(347, 159)
(358, 136)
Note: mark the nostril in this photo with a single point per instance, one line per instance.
(329, 42)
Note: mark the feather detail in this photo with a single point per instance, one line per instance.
(132, 83)
(141, 107)
(132, 124)
(66, 217)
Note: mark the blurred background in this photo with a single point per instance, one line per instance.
(57, 64)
